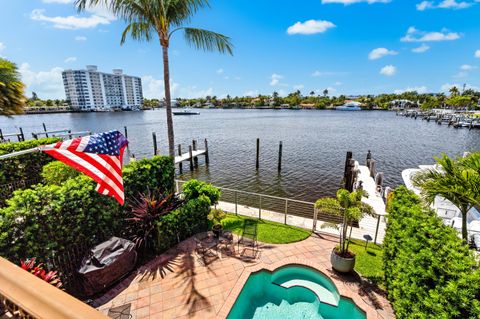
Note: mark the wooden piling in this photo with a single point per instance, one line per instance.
(349, 156)
(45, 129)
(350, 175)
(195, 159)
(180, 165)
(207, 158)
(280, 146)
(69, 134)
(154, 136)
(372, 168)
(1, 134)
(126, 131)
(257, 163)
(191, 157)
(369, 157)
(21, 135)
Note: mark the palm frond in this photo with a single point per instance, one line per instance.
(139, 31)
(208, 40)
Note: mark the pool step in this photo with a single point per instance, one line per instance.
(322, 293)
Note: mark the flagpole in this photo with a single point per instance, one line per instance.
(31, 150)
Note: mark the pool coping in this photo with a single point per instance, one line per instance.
(343, 290)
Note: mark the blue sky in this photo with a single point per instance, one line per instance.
(348, 46)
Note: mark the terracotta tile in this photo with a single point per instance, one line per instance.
(142, 312)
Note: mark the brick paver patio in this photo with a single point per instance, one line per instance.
(180, 284)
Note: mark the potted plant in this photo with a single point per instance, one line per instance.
(349, 206)
(216, 216)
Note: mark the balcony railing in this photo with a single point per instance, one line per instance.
(22, 295)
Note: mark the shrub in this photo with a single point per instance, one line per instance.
(429, 271)
(24, 167)
(182, 223)
(57, 173)
(52, 218)
(146, 174)
(194, 188)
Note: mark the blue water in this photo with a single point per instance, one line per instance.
(263, 297)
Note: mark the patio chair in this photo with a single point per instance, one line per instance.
(248, 240)
(205, 250)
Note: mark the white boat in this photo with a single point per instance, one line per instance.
(350, 106)
(449, 213)
(186, 112)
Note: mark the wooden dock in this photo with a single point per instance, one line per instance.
(192, 155)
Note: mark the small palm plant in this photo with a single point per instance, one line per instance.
(455, 180)
(349, 206)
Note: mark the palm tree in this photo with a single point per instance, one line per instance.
(163, 18)
(325, 92)
(455, 180)
(12, 99)
(349, 205)
(454, 91)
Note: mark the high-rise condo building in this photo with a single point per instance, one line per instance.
(90, 90)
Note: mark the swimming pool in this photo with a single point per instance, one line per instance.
(292, 292)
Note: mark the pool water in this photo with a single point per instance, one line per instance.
(292, 292)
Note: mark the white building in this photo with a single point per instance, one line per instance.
(90, 90)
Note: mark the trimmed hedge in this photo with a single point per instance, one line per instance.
(182, 223)
(429, 270)
(49, 218)
(57, 173)
(155, 173)
(194, 188)
(24, 167)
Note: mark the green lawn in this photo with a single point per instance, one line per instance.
(267, 231)
(368, 262)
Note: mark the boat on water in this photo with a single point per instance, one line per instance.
(186, 112)
(350, 106)
(448, 212)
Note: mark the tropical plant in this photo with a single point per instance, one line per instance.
(146, 211)
(351, 208)
(163, 18)
(50, 277)
(57, 173)
(12, 99)
(455, 180)
(454, 91)
(194, 189)
(216, 216)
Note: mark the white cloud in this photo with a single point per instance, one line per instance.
(70, 59)
(477, 54)
(220, 71)
(461, 74)
(414, 35)
(318, 73)
(80, 38)
(251, 93)
(445, 4)
(310, 27)
(348, 2)
(2, 47)
(446, 87)
(153, 88)
(421, 49)
(418, 89)
(275, 79)
(298, 86)
(467, 67)
(47, 84)
(388, 70)
(338, 83)
(380, 52)
(99, 16)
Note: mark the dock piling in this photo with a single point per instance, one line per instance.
(180, 165)
(126, 132)
(45, 129)
(372, 168)
(1, 134)
(207, 158)
(349, 156)
(154, 136)
(350, 175)
(21, 135)
(195, 159)
(190, 151)
(280, 146)
(257, 163)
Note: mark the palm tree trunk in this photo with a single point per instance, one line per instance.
(168, 102)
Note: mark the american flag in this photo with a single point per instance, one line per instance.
(98, 156)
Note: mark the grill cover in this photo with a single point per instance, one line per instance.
(106, 263)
